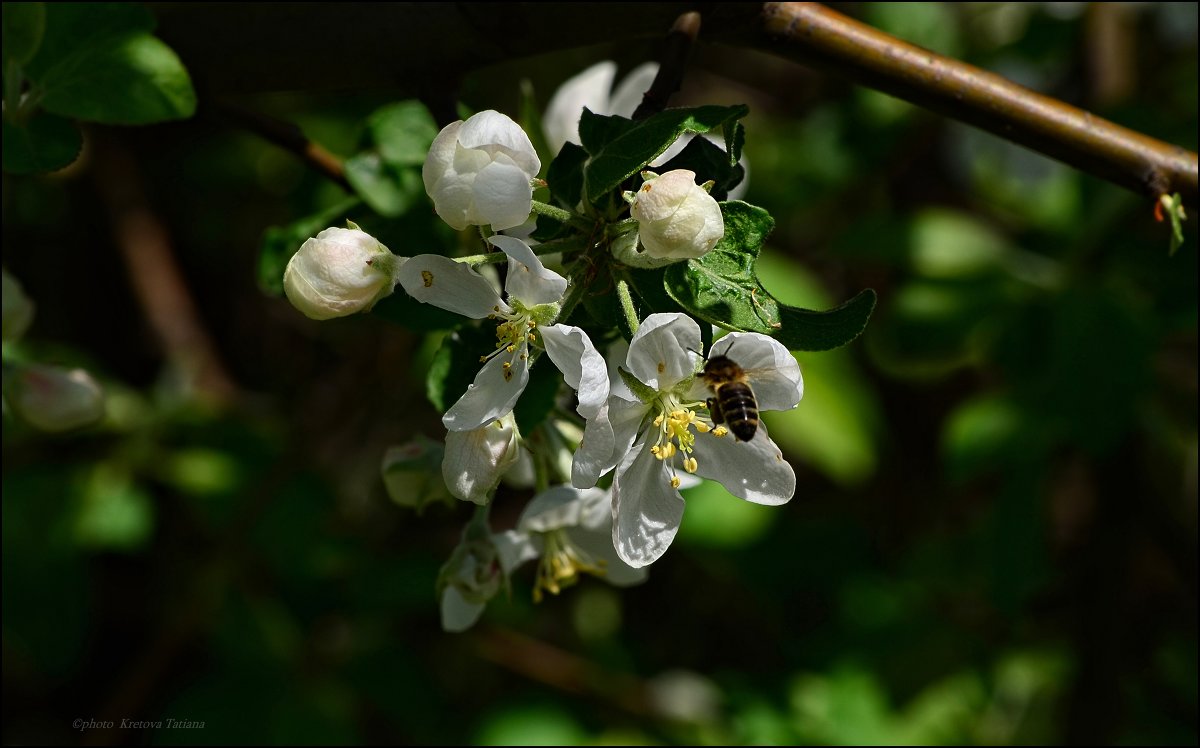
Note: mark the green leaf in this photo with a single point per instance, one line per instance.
(281, 242)
(44, 143)
(455, 365)
(565, 175)
(538, 398)
(389, 192)
(529, 116)
(596, 130)
(131, 79)
(402, 133)
(806, 330)
(630, 151)
(71, 27)
(835, 428)
(644, 392)
(24, 25)
(114, 512)
(403, 309)
(648, 285)
(1174, 209)
(721, 288)
(708, 161)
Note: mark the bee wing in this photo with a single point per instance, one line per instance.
(771, 371)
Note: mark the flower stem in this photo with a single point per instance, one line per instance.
(562, 216)
(478, 528)
(572, 299)
(565, 244)
(482, 259)
(627, 309)
(621, 227)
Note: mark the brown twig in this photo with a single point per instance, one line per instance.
(563, 670)
(672, 65)
(813, 34)
(286, 135)
(158, 281)
(238, 48)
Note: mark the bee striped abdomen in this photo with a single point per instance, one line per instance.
(734, 403)
(739, 409)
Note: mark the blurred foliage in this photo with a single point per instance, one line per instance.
(993, 538)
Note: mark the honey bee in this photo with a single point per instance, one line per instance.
(733, 401)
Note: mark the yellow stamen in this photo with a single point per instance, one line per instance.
(562, 563)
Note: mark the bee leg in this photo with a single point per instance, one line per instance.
(714, 410)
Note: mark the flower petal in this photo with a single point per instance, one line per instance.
(475, 460)
(451, 285)
(594, 456)
(492, 394)
(528, 280)
(558, 507)
(661, 352)
(633, 87)
(496, 133)
(587, 89)
(597, 543)
(753, 470)
(607, 438)
(646, 508)
(582, 365)
(673, 150)
(502, 195)
(515, 548)
(772, 370)
(458, 614)
(440, 157)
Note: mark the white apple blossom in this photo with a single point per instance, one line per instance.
(677, 219)
(52, 398)
(476, 460)
(665, 421)
(593, 88)
(479, 172)
(533, 300)
(570, 531)
(472, 576)
(410, 473)
(339, 272)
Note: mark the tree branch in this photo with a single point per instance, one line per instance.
(813, 34)
(672, 65)
(258, 47)
(287, 136)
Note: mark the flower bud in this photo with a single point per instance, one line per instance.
(339, 272)
(51, 398)
(677, 219)
(478, 172)
(475, 460)
(411, 473)
(18, 309)
(468, 580)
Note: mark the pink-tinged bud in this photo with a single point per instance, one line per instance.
(339, 272)
(677, 219)
(51, 398)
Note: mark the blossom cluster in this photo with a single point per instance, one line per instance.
(608, 471)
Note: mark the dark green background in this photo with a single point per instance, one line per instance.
(993, 538)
